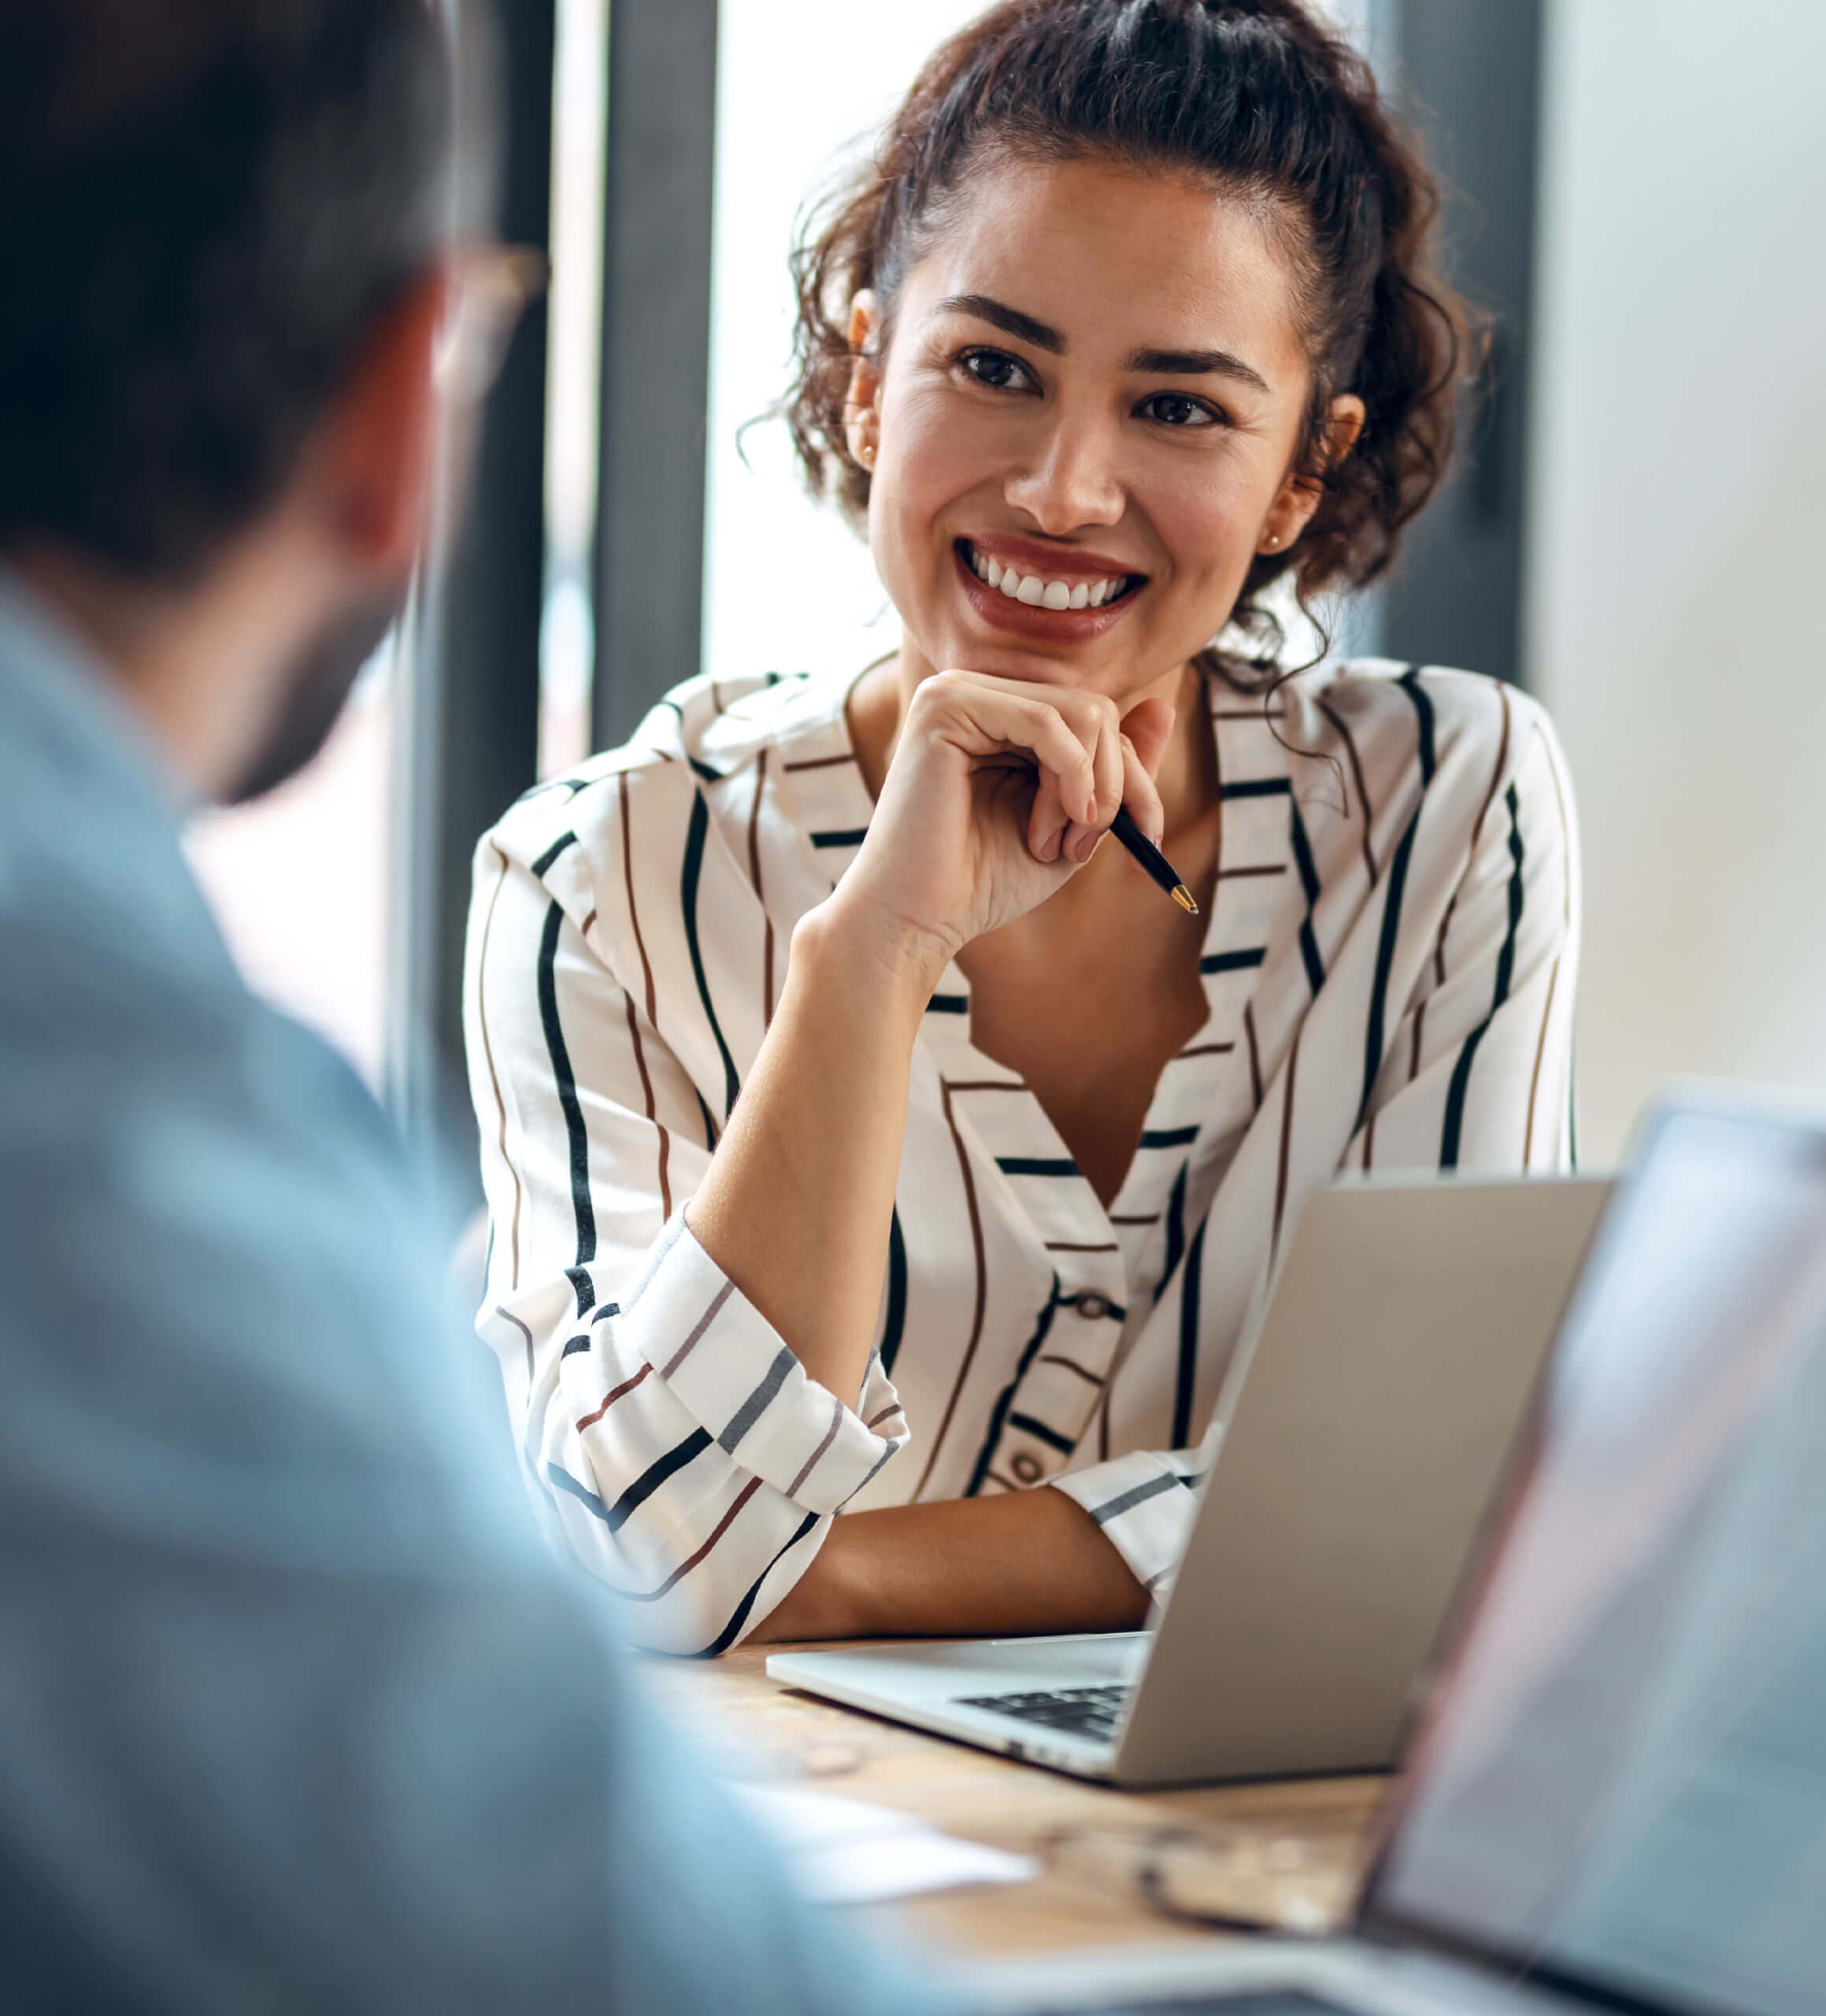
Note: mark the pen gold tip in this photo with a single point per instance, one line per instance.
(1183, 896)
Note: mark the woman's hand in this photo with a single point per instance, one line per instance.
(999, 791)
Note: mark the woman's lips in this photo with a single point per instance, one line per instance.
(1035, 620)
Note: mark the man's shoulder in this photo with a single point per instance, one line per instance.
(99, 1034)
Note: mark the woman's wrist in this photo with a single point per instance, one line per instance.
(1017, 1562)
(821, 1604)
(868, 955)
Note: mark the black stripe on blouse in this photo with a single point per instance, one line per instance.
(1376, 1029)
(1005, 1399)
(689, 881)
(894, 1326)
(1187, 1376)
(616, 1516)
(565, 1079)
(1308, 882)
(1039, 1431)
(1461, 1083)
(551, 853)
(733, 1630)
(1175, 1231)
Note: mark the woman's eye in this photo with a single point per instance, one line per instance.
(995, 368)
(1176, 410)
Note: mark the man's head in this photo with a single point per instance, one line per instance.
(222, 272)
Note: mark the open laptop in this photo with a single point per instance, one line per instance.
(1368, 1411)
(1615, 1797)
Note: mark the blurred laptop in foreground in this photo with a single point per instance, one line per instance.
(1617, 1798)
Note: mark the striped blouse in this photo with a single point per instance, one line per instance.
(1389, 965)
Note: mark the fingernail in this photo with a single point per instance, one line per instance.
(1087, 845)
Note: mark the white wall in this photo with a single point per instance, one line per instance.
(788, 587)
(1677, 626)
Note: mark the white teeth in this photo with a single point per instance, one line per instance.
(1038, 594)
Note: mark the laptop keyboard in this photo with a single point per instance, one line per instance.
(1091, 1711)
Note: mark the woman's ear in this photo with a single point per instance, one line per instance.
(1298, 497)
(862, 399)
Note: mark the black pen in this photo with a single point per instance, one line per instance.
(1152, 859)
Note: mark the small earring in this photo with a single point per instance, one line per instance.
(1273, 540)
(866, 454)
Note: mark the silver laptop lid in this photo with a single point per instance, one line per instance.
(1621, 1786)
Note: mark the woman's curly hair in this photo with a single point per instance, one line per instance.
(1252, 97)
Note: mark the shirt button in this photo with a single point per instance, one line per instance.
(1026, 1467)
(1093, 1306)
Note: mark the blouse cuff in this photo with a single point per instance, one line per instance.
(1144, 1503)
(706, 1341)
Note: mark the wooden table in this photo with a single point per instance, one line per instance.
(1292, 1849)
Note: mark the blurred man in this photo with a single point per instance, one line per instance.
(294, 1711)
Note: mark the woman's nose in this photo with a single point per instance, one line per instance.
(1070, 478)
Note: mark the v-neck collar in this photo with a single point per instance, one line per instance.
(1206, 1095)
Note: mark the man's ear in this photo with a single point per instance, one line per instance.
(862, 398)
(378, 449)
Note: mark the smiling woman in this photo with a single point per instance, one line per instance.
(861, 1135)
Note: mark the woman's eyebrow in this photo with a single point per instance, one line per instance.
(1196, 363)
(1043, 335)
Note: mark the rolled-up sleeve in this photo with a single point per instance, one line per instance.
(672, 1440)
(1142, 1504)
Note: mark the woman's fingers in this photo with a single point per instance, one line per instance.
(1048, 822)
(1106, 759)
(1139, 794)
(1052, 740)
(1150, 727)
(993, 719)
(1090, 760)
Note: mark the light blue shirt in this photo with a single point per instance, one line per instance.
(296, 1712)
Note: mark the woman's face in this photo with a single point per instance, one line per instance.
(1082, 430)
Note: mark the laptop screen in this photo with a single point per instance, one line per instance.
(1621, 1783)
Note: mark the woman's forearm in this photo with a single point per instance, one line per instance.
(1025, 1562)
(992, 795)
(796, 1205)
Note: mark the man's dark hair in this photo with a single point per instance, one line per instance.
(205, 207)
